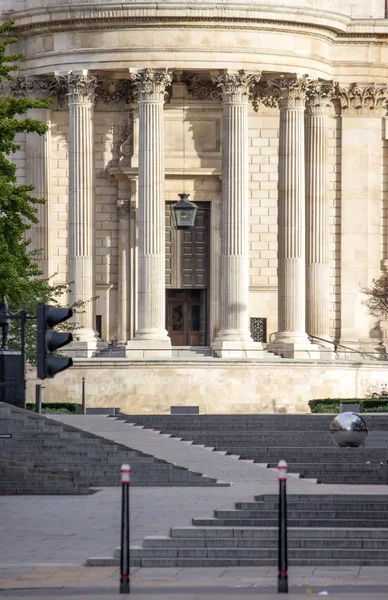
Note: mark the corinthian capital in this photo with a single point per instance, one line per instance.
(319, 97)
(358, 99)
(80, 86)
(290, 92)
(151, 84)
(235, 86)
(34, 88)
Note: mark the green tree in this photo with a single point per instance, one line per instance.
(21, 280)
(376, 297)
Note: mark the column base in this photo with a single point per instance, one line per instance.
(292, 344)
(87, 345)
(149, 348)
(238, 349)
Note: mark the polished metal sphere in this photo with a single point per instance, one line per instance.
(348, 430)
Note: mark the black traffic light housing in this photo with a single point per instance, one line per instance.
(48, 340)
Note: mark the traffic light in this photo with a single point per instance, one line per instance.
(49, 340)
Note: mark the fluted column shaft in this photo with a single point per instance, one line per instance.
(317, 255)
(235, 209)
(291, 333)
(291, 222)
(151, 85)
(81, 88)
(38, 175)
(123, 319)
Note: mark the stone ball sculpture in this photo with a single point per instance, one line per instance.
(348, 430)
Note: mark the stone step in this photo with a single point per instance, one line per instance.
(299, 514)
(303, 522)
(346, 543)
(245, 562)
(314, 505)
(264, 532)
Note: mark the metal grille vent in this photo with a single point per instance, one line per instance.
(259, 329)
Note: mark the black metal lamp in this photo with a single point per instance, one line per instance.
(184, 212)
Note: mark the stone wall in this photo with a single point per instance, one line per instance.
(216, 387)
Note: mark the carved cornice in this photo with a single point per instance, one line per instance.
(362, 100)
(151, 84)
(79, 86)
(290, 92)
(319, 97)
(200, 88)
(235, 87)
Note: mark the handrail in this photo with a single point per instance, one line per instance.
(337, 345)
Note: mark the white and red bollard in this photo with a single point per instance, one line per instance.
(282, 539)
(125, 552)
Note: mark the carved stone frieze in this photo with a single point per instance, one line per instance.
(114, 92)
(358, 99)
(261, 94)
(151, 84)
(125, 137)
(319, 97)
(124, 209)
(200, 88)
(79, 86)
(235, 87)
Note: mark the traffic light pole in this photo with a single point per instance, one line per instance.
(23, 319)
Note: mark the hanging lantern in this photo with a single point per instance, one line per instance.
(184, 212)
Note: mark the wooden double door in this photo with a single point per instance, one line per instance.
(186, 317)
(187, 279)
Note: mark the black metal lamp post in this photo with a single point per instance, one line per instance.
(184, 212)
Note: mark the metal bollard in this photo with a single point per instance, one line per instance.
(124, 556)
(282, 540)
(83, 399)
(38, 398)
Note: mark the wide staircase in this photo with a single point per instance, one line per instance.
(328, 529)
(42, 456)
(304, 441)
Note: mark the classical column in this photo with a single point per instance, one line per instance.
(151, 336)
(80, 92)
(123, 314)
(317, 217)
(291, 339)
(234, 337)
(363, 108)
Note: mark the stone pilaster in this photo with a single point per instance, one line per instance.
(317, 217)
(362, 110)
(38, 163)
(38, 175)
(234, 337)
(123, 316)
(81, 86)
(151, 336)
(291, 339)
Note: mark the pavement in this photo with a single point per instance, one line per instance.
(46, 540)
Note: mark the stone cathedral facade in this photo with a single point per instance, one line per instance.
(272, 116)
